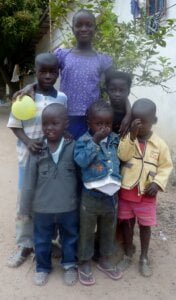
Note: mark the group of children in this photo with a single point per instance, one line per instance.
(116, 176)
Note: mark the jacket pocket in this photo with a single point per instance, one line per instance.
(44, 171)
(68, 168)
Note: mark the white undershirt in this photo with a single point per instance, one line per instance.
(55, 155)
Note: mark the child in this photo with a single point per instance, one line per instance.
(145, 171)
(96, 154)
(81, 72)
(49, 192)
(28, 134)
(118, 86)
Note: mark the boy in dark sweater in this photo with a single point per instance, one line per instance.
(49, 193)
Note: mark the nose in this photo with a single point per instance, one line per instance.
(117, 93)
(48, 75)
(103, 126)
(83, 28)
(49, 127)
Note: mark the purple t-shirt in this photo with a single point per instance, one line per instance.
(80, 78)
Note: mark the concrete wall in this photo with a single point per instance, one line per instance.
(166, 103)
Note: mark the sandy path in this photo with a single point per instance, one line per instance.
(17, 283)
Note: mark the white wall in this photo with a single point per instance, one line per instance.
(166, 103)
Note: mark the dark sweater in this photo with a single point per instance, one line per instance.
(50, 187)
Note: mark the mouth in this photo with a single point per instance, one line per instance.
(50, 134)
(84, 35)
(47, 83)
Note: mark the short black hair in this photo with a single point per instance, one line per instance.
(96, 107)
(53, 107)
(83, 11)
(46, 58)
(114, 74)
(144, 106)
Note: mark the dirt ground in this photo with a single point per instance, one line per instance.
(17, 283)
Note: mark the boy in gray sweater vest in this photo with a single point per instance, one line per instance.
(49, 193)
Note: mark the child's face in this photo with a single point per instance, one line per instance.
(84, 28)
(53, 125)
(46, 76)
(100, 120)
(146, 123)
(118, 92)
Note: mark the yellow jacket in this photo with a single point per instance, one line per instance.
(154, 165)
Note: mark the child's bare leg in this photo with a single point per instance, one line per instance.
(127, 230)
(145, 234)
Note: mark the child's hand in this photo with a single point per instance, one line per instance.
(134, 129)
(68, 136)
(27, 90)
(124, 127)
(35, 145)
(152, 189)
(101, 134)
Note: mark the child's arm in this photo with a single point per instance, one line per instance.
(34, 145)
(163, 171)
(85, 152)
(126, 120)
(28, 190)
(27, 90)
(126, 147)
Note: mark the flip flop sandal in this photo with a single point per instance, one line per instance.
(86, 279)
(113, 273)
(70, 276)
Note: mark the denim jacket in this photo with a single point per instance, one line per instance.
(97, 160)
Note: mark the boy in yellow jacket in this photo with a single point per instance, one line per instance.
(146, 165)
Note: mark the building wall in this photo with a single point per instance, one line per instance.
(166, 102)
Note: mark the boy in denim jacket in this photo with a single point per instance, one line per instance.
(96, 154)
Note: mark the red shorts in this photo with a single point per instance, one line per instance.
(144, 212)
